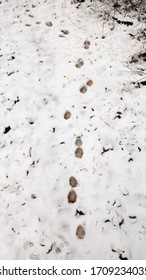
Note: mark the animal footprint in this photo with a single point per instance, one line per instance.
(78, 142)
(79, 63)
(86, 44)
(49, 23)
(28, 244)
(79, 152)
(83, 89)
(89, 83)
(72, 196)
(80, 232)
(63, 239)
(67, 115)
(73, 182)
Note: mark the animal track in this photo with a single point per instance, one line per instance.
(86, 44)
(79, 153)
(73, 182)
(83, 89)
(72, 196)
(67, 115)
(79, 63)
(80, 232)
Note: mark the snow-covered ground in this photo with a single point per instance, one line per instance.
(66, 80)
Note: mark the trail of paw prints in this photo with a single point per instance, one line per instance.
(72, 196)
(84, 88)
(79, 153)
(73, 182)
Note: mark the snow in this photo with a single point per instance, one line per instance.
(39, 83)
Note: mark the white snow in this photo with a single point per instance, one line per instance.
(39, 83)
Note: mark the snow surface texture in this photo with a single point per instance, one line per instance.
(66, 80)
